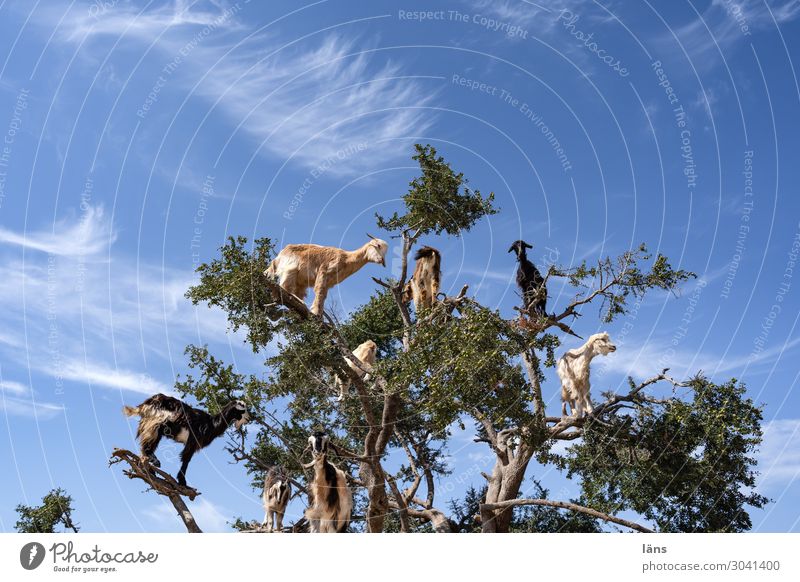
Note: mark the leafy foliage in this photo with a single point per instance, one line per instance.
(458, 363)
(56, 510)
(435, 202)
(379, 320)
(685, 465)
(618, 280)
(234, 283)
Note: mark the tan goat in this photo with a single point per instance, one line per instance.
(366, 354)
(298, 267)
(423, 287)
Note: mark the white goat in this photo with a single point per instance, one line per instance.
(366, 354)
(298, 267)
(277, 490)
(573, 369)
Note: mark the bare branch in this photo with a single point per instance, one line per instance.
(159, 481)
(565, 505)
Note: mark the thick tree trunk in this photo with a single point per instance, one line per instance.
(504, 485)
(371, 471)
(378, 506)
(512, 459)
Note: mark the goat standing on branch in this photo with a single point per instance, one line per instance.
(298, 267)
(277, 490)
(165, 416)
(424, 284)
(330, 499)
(530, 281)
(366, 354)
(573, 369)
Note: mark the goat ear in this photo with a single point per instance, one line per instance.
(527, 246)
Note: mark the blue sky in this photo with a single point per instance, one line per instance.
(137, 136)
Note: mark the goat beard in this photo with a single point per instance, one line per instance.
(242, 421)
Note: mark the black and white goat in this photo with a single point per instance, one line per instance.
(277, 490)
(530, 281)
(330, 501)
(165, 416)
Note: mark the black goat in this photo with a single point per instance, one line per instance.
(530, 281)
(165, 416)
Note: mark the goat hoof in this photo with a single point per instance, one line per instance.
(154, 461)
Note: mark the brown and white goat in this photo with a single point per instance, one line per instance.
(423, 287)
(277, 490)
(298, 267)
(330, 501)
(573, 370)
(366, 354)
(165, 416)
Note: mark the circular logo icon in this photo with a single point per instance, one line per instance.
(31, 555)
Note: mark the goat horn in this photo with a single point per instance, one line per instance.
(370, 236)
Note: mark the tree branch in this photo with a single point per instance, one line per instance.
(159, 481)
(565, 505)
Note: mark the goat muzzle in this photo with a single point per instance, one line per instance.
(242, 421)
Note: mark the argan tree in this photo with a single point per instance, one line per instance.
(678, 453)
(55, 511)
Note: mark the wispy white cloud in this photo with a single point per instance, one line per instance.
(98, 322)
(643, 359)
(17, 399)
(307, 103)
(519, 12)
(144, 23)
(315, 104)
(725, 23)
(88, 236)
(13, 387)
(779, 456)
(30, 409)
(103, 376)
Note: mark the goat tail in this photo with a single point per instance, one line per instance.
(131, 410)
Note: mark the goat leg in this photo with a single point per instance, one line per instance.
(186, 455)
(149, 445)
(320, 293)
